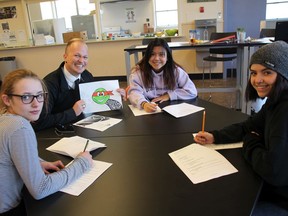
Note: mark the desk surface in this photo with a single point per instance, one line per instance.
(144, 180)
(217, 117)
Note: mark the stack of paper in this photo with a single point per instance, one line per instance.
(72, 146)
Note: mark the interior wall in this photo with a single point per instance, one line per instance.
(189, 12)
(17, 26)
(115, 14)
(246, 14)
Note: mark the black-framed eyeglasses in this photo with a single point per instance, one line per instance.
(27, 99)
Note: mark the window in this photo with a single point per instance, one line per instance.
(55, 17)
(166, 14)
(276, 9)
(61, 9)
(66, 9)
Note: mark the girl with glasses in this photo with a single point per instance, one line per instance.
(23, 95)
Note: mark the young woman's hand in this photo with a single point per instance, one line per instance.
(204, 138)
(162, 98)
(49, 167)
(150, 107)
(87, 155)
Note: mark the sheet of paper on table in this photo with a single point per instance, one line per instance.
(97, 122)
(201, 164)
(223, 146)
(78, 186)
(138, 112)
(183, 109)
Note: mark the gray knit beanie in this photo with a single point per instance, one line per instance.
(273, 56)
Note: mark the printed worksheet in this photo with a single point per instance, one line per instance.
(78, 186)
(201, 164)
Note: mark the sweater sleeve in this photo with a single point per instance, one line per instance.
(24, 154)
(136, 91)
(185, 88)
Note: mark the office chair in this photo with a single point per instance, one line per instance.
(265, 32)
(226, 54)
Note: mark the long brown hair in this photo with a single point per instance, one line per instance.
(12, 78)
(168, 69)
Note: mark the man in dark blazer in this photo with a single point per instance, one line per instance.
(64, 104)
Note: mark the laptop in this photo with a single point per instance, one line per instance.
(281, 31)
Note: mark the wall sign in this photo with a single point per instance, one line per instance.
(191, 1)
(8, 12)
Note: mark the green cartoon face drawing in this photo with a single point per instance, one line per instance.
(100, 95)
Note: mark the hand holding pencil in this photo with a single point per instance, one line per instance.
(86, 154)
(204, 137)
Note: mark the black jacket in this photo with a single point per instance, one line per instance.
(61, 100)
(266, 148)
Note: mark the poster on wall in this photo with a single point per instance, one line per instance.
(191, 1)
(130, 15)
(8, 12)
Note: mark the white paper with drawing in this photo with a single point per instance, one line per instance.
(100, 96)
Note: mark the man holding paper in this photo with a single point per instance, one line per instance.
(64, 101)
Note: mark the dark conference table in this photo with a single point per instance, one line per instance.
(144, 180)
(163, 123)
(244, 52)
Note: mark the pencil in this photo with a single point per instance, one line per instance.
(86, 145)
(203, 121)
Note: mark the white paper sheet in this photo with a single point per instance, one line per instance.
(100, 96)
(97, 122)
(223, 146)
(183, 109)
(72, 146)
(201, 164)
(138, 112)
(78, 186)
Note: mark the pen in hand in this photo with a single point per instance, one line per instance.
(203, 121)
(86, 145)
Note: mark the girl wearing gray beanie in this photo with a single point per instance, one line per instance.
(265, 134)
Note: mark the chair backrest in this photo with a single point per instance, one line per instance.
(281, 31)
(265, 32)
(222, 50)
(219, 35)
